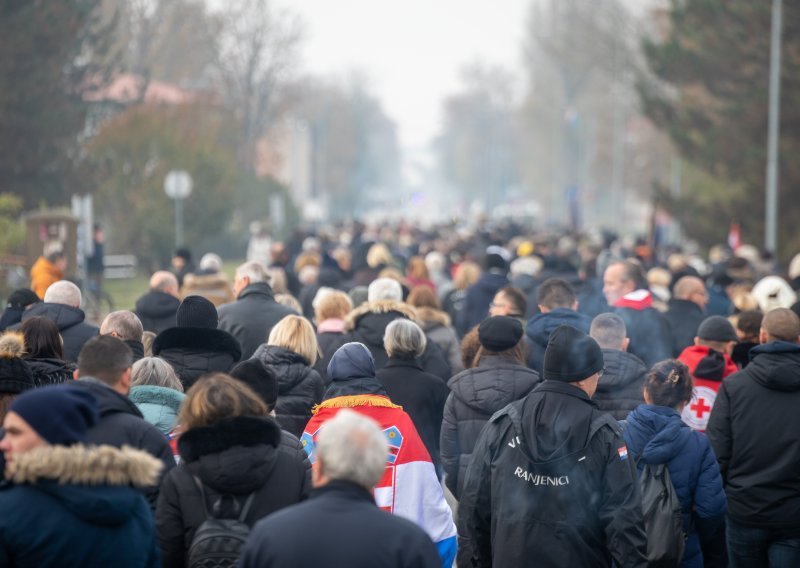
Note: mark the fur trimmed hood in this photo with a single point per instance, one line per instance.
(431, 318)
(197, 339)
(379, 307)
(85, 465)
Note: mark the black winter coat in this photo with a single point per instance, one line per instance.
(252, 316)
(233, 457)
(753, 430)
(475, 395)
(367, 325)
(121, 424)
(195, 351)
(339, 526)
(549, 486)
(649, 332)
(157, 311)
(47, 371)
(684, 317)
(539, 328)
(478, 299)
(299, 386)
(620, 389)
(71, 325)
(422, 397)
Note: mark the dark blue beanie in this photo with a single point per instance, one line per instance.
(61, 415)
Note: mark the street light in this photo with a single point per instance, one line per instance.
(771, 224)
(178, 186)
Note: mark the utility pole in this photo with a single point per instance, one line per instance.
(771, 223)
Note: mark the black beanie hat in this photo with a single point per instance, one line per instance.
(500, 333)
(60, 414)
(196, 311)
(22, 298)
(711, 367)
(15, 374)
(258, 377)
(571, 355)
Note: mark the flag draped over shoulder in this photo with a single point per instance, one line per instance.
(409, 486)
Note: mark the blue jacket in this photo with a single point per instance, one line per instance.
(158, 405)
(540, 327)
(656, 435)
(74, 506)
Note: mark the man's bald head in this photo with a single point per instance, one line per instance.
(692, 289)
(163, 281)
(780, 324)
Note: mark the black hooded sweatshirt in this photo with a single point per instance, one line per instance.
(754, 430)
(620, 389)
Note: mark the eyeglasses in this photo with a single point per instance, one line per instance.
(600, 373)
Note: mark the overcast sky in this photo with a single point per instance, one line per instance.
(412, 51)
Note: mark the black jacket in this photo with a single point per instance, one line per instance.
(753, 430)
(121, 424)
(421, 395)
(550, 485)
(157, 311)
(477, 300)
(340, 526)
(684, 317)
(233, 457)
(367, 324)
(649, 332)
(47, 371)
(195, 351)
(299, 386)
(74, 331)
(540, 326)
(620, 388)
(11, 316)
(252, 316)
(475, 395)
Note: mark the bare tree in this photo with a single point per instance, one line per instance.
(256, 50)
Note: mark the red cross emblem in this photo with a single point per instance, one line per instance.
(700, 407)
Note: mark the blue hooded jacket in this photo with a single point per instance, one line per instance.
(540, 327)
(656, 435)
(352, 372)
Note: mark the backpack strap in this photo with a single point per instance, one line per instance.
(245, 509)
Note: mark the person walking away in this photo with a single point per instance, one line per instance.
(231, 454)
(44, 352)
(709, 362)
(157, 308)
(620, 388)
(550, 482)
(346, 526)
(656, 435)
(48, 268)
(686, 311)
(67, 503)
(753, 431)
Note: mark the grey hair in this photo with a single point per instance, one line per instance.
(156, 372)
(435, 261)
(211, 261)
(63, 292)
(352, 448)
(384, 289)
(530, 265)
(254, 270)
(608, 330)
(404, 339)
(124, 323)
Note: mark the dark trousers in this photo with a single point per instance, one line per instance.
(752, 547)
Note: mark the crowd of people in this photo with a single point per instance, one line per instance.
(393, 396)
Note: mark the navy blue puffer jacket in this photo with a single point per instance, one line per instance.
(656, 435)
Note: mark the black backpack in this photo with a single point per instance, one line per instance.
(663, 517)
(217, 543)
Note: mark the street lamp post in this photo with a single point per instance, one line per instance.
(178, 186)
(771, 224)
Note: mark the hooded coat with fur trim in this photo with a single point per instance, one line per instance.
(195, 351)
(437, 326)
(232, 458)
(75, 506)
(158, 405)
(367, 324)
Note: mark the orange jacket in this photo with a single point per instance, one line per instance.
(44, 273)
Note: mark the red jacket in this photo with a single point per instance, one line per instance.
(696, 413)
